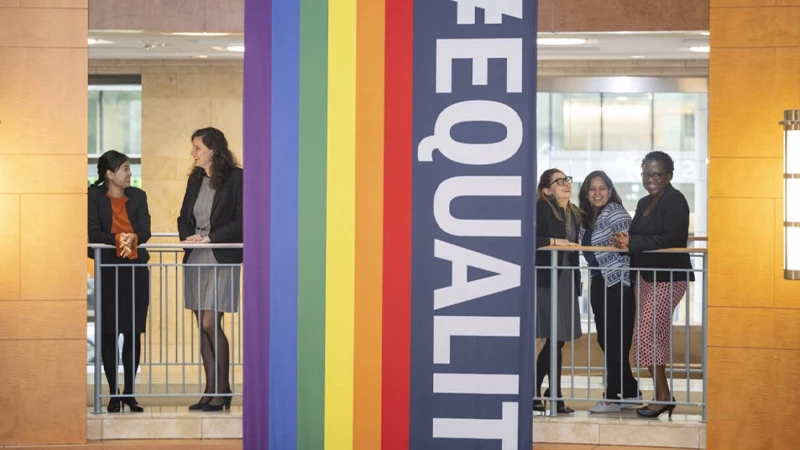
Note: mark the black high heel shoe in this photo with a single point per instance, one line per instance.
(205, 400)
(226, 404)
(561, 407)
(113, 405)
(133, 405)
(654, 413)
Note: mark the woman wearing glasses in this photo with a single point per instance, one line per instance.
(557, 221)
(661, 221)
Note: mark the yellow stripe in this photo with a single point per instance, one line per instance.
(340, 241)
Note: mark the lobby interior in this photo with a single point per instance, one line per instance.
(714, 77)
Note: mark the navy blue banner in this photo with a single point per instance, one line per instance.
(474, 188)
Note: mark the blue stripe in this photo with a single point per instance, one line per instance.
(283, 234)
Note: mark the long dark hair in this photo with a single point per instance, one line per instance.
(589, 214)
(544, 182)
(222, 160)
(111, 160)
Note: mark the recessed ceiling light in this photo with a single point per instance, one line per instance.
(705, 33)
(700, 49)
(203, 34)
(235, 48)
(93, 41)
(622, 98)
(623, 32)
(638, 57)
(201, 56)
(560, 41)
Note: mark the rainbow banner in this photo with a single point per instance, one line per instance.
(389, 155)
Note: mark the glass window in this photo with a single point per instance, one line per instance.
(575, 120)
(627, 122)
(115, 121)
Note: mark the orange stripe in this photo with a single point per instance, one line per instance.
(369, 224)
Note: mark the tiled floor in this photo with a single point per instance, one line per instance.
(593, 447)
(235, 444)
(184, 444)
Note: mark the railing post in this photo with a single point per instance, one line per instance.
(98, 312)
(705, 334)
(554, 333)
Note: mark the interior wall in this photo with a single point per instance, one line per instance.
(554, 15)
(754, 314)
(42, 231)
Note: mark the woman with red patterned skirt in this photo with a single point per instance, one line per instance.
(661, 221)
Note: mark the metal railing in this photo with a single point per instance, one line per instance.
(172, 339)
(687, 369)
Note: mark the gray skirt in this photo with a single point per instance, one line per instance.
(568, 323)
(210, 288)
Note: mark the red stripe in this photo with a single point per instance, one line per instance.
(397, 225)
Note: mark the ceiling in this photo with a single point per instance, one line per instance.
(598, 46)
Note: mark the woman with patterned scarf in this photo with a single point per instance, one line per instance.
(610, 292)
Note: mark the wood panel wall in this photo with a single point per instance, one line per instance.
(754, 376)
(554, 15)
(43, 78)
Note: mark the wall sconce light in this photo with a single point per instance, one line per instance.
(791, 194)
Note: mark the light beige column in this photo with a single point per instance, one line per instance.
(43, 102)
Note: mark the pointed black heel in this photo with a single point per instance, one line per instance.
(226, 404)
(133, 405)
(205, 400)
(561, 407)
(649, 413)
(113, 405)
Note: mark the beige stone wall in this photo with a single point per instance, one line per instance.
(42, 221)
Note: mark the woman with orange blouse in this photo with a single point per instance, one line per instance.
(118, 216)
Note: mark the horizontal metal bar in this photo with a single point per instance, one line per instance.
(177, 246)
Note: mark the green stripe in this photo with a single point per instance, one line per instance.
(311, 218)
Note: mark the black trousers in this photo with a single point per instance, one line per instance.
(131, 354)
(615, 317)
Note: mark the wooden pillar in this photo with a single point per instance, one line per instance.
(754, 315)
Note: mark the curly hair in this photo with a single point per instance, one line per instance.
(544, 183)
(661, 157)
(222, 160)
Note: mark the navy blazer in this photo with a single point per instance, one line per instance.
(100, 222)
(226, 216)
(666, 226)
(549, 226)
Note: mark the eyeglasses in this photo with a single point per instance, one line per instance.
(655, 175)
(561, 181)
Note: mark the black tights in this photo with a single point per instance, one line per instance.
(215, 352)
(543, 367)
(131, 354)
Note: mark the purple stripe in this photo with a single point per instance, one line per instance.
(257, 133)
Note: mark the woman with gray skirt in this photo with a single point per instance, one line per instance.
(212, 213)
(557, 222)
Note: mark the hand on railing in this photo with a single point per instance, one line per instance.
(196, 239)
(126, 244)
(620, 240)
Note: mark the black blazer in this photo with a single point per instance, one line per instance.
(226, 216)
(100, 222)
(667, 226)
(549, 226)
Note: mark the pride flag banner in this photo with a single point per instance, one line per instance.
(390, 163)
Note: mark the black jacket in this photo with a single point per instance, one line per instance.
(226, 216)
(100, 222)
(549, 226)
(667, 226)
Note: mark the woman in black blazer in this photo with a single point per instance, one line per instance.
(661, 221)
(557, 223)
(118, 216)
(212, 213)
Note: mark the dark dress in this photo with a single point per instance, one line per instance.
(569, 326)
(125, 291)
